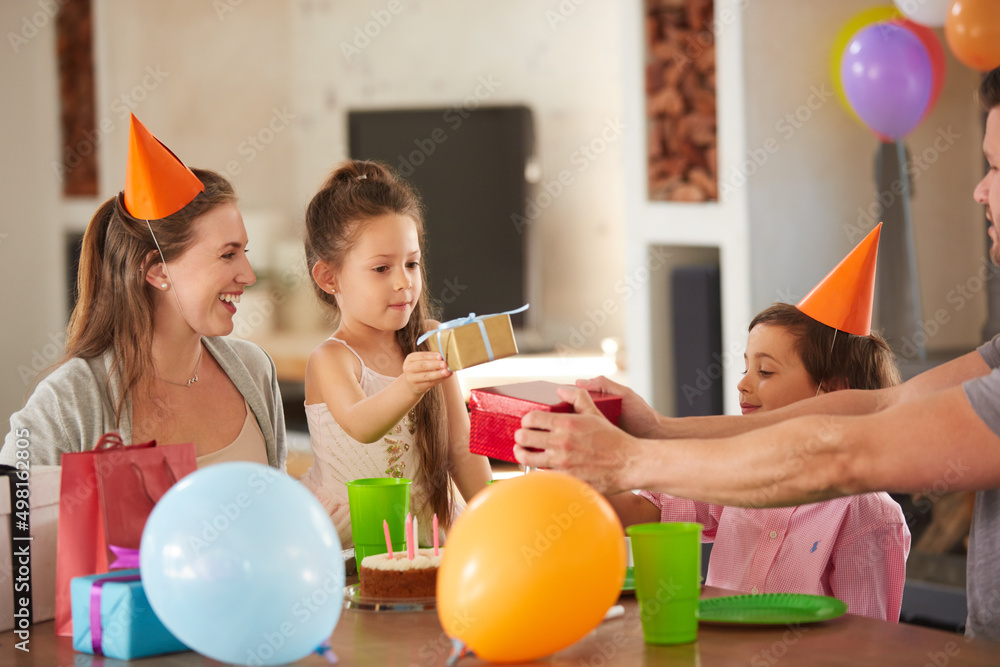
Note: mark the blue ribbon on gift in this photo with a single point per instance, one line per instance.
(470, 319)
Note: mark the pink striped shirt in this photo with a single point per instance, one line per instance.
(852, 548)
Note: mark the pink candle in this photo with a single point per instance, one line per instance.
(436, 534)
(388, 540)
(409, 537)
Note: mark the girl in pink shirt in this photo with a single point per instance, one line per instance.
(852, 548)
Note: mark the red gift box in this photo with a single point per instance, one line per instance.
(496, 413)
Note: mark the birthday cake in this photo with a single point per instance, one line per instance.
(400, 577)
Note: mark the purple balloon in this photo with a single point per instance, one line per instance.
(887, 77)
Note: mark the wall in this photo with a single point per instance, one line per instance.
(259, 90)
(459, 54)
(231, 71)
(801, 227)
(31, 298)
(210, 79)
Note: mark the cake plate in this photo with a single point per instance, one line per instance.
(354, 600)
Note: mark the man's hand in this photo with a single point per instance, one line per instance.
(584, 444)
(637, 418)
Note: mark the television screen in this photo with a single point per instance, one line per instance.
(469, 167)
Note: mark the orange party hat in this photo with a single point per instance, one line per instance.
(157, 184)
(843, 300)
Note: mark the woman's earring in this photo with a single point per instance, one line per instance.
(333, 291)
(163, 286)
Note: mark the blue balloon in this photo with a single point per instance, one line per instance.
(887, 77)
(243, 565)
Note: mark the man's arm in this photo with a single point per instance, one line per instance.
(911, 447)
(856, 402)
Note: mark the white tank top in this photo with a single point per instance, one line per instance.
(338, 458)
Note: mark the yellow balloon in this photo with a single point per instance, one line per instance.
(530, 567)
(855, 24)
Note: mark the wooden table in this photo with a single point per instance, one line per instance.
(415, 639)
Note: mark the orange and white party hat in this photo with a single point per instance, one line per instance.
(843, 300)
(157, 184)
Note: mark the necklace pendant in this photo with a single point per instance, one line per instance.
(192, 380)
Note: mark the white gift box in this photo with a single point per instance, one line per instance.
(43, 489)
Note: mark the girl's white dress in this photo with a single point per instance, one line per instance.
(338, 458)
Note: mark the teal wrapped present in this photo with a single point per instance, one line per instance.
(112, 617)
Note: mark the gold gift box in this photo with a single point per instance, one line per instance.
(465, 346)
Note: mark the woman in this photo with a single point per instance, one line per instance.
(162, 268)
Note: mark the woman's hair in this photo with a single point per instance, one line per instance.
(114, 307)
(989, 90)
(832, 358)
(356, 192)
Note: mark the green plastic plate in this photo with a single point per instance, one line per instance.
(629, 585)
(770, 609)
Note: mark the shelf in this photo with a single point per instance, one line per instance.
(722, 227)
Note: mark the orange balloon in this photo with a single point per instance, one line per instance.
(530, 567)
(972, 29)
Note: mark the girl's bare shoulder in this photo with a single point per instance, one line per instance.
(336, 356)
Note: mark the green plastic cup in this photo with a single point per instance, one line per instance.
(373, 501)
(667, 572)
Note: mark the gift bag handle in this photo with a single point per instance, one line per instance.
(114, 440)
(142, 478)
(109, 441)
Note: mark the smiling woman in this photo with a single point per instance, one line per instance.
(162, 269)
